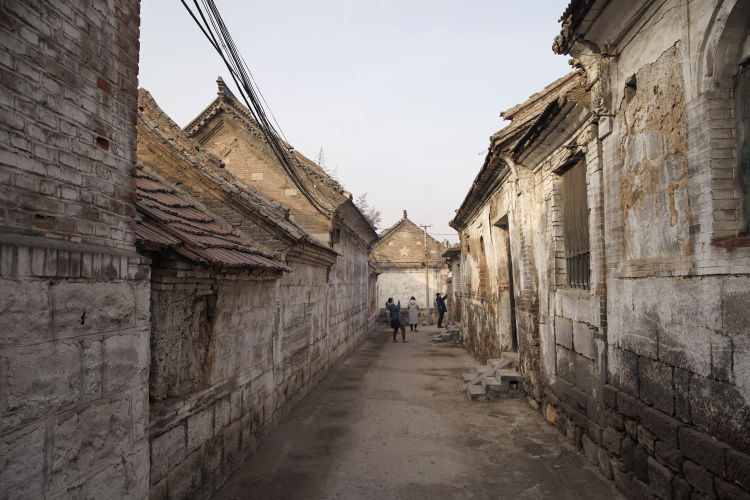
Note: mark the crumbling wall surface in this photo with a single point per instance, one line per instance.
(75, 298)
(212, 386)
(668, 407)
(180, 340)
(654, 163)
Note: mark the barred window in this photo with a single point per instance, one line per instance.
(575, 212)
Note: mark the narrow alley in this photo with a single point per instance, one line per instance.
(195, 300)
(391, 421)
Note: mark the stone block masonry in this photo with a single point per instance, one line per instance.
(73, 385)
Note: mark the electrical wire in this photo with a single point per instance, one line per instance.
(213, 28)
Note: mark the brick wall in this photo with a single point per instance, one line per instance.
(69, 85)
(74, 318)
(249, 159)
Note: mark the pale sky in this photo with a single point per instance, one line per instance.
(401, 95)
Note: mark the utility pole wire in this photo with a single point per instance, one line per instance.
(213, 27)
(426, 268)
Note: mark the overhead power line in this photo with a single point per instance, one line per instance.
(208, 19)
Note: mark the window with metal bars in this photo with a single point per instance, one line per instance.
(575, 213)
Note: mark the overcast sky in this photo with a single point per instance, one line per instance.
(401, 95)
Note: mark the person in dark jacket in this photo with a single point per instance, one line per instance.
(441, 308)
(397, 321)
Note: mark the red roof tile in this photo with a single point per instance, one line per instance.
(167, 221)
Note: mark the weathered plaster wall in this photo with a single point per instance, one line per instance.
(646, 370)
(232, 354)
(402, 284)
(485, 294)
(663, 407)
(74, 313)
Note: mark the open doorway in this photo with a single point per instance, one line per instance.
(507, 310)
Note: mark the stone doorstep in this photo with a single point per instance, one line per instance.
(476, 392)
(481, 370)
(506, 360)
(491, 383)
(506, 375)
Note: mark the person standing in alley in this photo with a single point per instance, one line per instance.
(413, 314)
(441, 308)
(397, 321)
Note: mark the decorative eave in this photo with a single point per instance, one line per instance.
(494, 171)
(538, 125)
(452, 252)
(528, 120)
(373, 268)
(571, 19)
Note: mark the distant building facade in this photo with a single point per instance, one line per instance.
(411, 264)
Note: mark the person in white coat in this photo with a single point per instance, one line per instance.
(413, 314)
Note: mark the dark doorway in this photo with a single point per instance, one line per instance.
(504, 246)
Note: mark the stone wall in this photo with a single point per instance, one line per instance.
(74, 316)
(233, 353)
(212, 373)
(645, 370)
(653, 386)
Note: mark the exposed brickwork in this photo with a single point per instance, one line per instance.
(68, 137)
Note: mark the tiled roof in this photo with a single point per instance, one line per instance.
(527, 121)
(211, 169)
(328, 192)
(166, 221)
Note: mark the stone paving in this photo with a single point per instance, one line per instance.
(391, 421)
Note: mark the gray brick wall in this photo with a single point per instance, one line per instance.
(74, 322)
